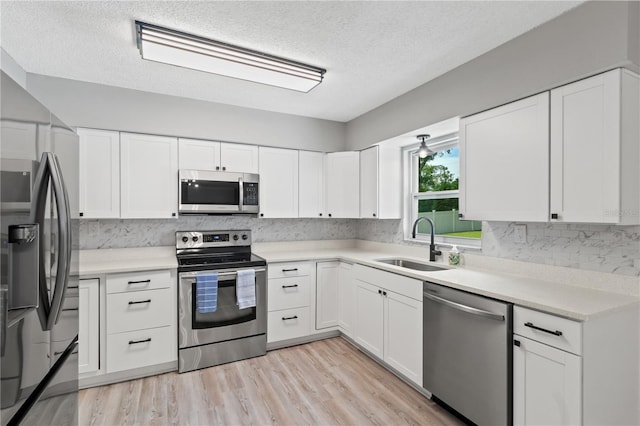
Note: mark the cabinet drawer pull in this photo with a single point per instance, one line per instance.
(60, 352)
(555, 333)
(289, 318)
(69, 309)
(290, 286)
(139, 282)
(139, 301)
(290, 270)
(135, 342)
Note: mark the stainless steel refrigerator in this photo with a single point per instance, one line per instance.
(39, 288)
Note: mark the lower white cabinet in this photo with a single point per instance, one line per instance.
(346, 298)
(289, 301)
(546, 384)
(388, 324)
(572, 373)
(88, 325)
(327, 292)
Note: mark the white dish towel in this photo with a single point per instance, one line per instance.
(246, 288)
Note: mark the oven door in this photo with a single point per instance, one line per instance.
(228, 322)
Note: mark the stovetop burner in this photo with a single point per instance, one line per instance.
(212, 250)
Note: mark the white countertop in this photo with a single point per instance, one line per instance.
(570, 301)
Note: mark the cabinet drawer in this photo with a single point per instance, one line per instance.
(289, 269)
(286, 293)
(287, 324)
(400, 284)
(135, 349)
(570, 339)
(137, 310)
(117, 283)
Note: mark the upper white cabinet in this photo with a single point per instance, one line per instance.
(278, 183)
(99, 180)
(504, 162)
(149, 176)
(380, 183)
(18, 140)
(208, 155)
(343, 184)
(595, 151)
(311, 184)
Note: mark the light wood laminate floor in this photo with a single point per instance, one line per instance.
(328, 382)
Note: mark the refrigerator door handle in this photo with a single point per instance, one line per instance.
(50, 170)
(64, 241)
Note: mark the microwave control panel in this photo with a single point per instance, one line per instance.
(250, 196)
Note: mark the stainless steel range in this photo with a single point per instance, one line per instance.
(223, 329)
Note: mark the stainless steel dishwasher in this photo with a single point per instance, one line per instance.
(467, 351)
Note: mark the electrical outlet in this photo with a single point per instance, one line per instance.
(520, 233)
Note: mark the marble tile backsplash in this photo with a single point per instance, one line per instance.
(602, 248)
(120, 233)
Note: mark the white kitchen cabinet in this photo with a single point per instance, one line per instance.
(149, 176)
(289, 301)
(311, 184)
(198, 154)
(346, 298)
(504, 162)
(388, 319)
(380, 183)
(327, 294)
(369, 326)
(99, 174)
(547, 385)
(594, 150)
(568, 372)
(89, 325)
(343, 184)
(140, 320)
(19, 140)
(278, 182)
(236, 157)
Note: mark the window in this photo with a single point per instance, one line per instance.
(433, 193)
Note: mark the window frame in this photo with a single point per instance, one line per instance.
(412, 196)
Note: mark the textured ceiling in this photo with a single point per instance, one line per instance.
(373, 51)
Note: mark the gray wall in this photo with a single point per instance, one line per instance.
(594, 37)
(82, 104)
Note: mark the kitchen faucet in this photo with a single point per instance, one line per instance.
(432, 246)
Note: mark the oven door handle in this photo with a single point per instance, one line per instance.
(229, 274)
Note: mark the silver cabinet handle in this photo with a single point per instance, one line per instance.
(464, 308)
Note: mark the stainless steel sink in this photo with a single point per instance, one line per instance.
(411, 264)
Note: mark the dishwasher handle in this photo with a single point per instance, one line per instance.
(464, 308)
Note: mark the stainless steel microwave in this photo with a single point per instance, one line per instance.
(17, 177)
(209, 192)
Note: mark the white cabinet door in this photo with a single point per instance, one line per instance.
(88, 325)
(369, 318)
(239, 158)
(311, 184)
(403, 335)
(590, 150)
(99, 180)
(504, 162)
(18, 140)
(369, 183)
(278, 182)
(547, 385)
(327, 291)
(343, 184)
(198, 154)
(149, 176)
(346, 298)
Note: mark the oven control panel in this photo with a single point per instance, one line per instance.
(203, 239)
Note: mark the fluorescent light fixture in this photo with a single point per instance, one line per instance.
(190, 51)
